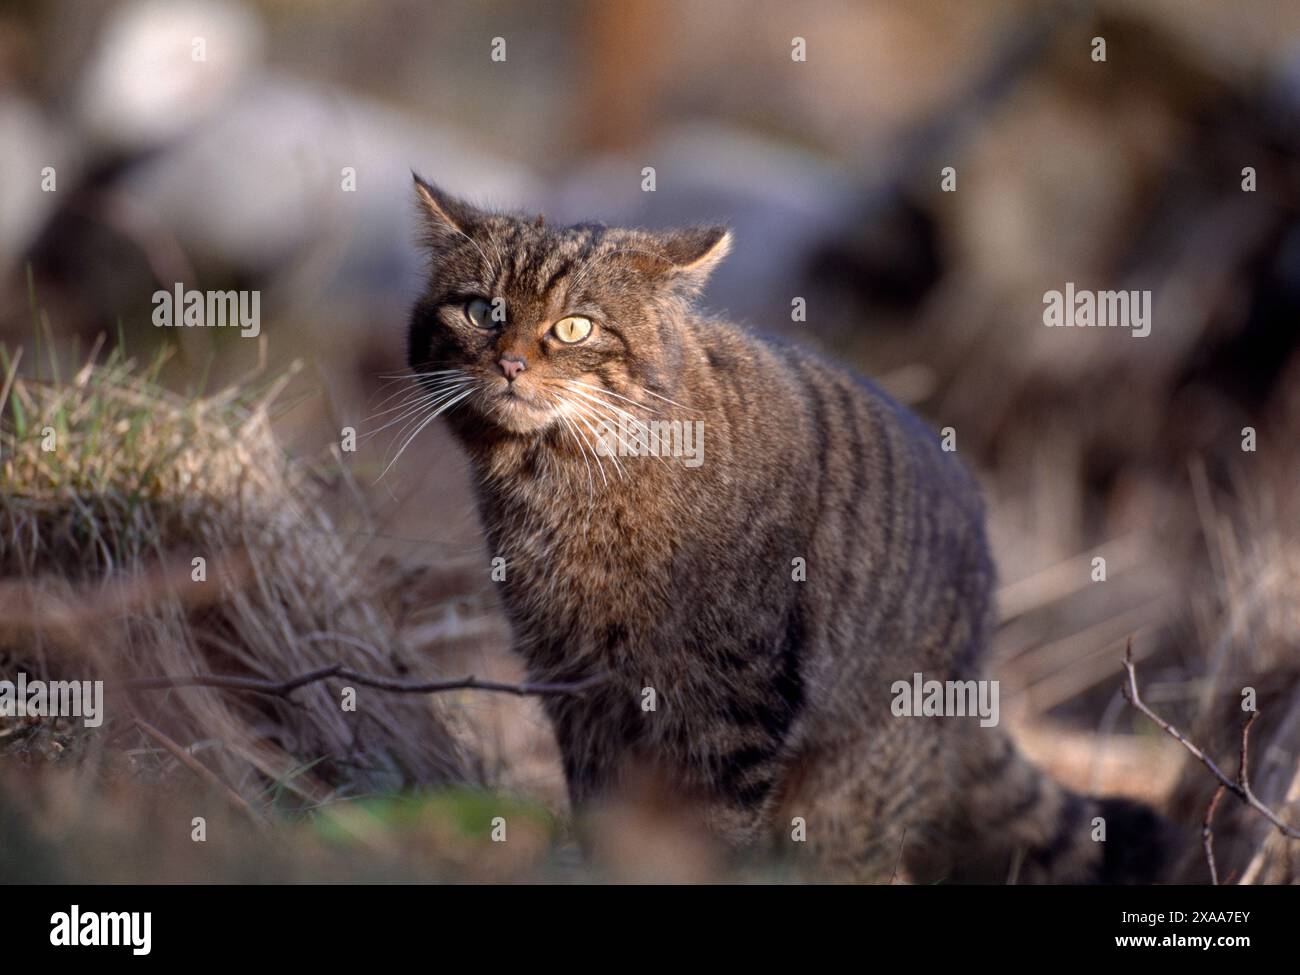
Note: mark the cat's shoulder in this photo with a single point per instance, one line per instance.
(857, 393)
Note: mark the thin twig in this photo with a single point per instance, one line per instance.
(283, 688)
(199, 769)
(1207, 834)
(1241, 786)
(1292, 794)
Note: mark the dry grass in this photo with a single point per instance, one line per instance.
(112, 486)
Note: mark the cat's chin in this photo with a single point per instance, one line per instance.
(519, 416)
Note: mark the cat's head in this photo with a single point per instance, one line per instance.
(535, 326)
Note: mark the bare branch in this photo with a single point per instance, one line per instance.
(1241, 786)
(199, 769)
(283, 688)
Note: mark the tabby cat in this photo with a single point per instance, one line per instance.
(748, 611)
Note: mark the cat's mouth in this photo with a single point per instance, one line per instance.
(512, 396)
(520, 412)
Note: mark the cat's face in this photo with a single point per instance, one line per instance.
(532, 327)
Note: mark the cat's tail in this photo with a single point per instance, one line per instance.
(1011, 823)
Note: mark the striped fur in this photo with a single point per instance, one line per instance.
(772, 694)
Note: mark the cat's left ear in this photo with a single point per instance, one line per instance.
(693, 254)
(444, 214)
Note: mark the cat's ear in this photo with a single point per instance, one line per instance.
(692, 255)
(444, 214)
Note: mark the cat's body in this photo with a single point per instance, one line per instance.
(765, 601)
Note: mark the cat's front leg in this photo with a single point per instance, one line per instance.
(594, 735)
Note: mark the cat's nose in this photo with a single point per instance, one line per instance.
(511, 366)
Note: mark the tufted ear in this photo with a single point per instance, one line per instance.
(444, 214)
(691, 254)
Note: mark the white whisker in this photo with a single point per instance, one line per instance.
(609, 392)
(673, 402)
(413, 394)
(582, 452)
(417, 414)
(640, 427)
(584, 415)
(433, 415)
(415, 406)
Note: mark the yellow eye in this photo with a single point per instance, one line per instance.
(479, 312)
(575, 328)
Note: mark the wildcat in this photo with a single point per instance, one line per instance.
(766, 599)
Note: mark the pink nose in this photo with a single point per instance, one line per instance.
(511, 367)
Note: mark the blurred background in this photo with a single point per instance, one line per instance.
(231, 170)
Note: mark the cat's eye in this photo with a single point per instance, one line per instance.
(479, 313)
(575, 328)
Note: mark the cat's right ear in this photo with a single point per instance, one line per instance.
(686, 258)
(444, 215)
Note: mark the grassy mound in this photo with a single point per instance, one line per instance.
(147, 534)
